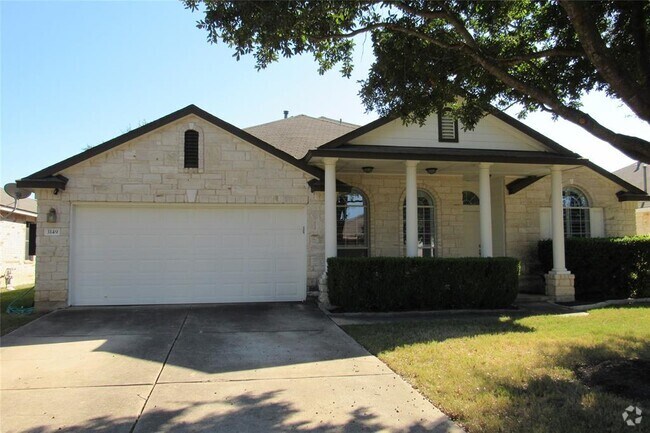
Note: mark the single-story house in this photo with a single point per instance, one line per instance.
(191, 209)
(17, 241)
(638, 175)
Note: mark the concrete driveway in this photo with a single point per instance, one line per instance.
(229, 368)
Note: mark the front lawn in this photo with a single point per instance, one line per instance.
(9, 322)
(525, 374)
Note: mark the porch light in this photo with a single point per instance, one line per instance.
(367, 169)
(431, 170)
(51, 216)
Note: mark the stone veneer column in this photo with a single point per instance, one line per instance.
(559, 281)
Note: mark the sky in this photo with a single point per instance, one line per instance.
(75, 74)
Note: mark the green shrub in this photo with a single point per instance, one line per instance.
(414, 283)
(605, 268)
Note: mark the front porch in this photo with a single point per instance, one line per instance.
(443, 208)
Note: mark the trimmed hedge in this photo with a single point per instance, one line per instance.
(605, 268)
(416, 283)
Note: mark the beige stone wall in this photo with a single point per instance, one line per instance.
(386, 195)
(150, 169)
(643, 221)
(13, 251)
(523, 219)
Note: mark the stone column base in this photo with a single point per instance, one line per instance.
(560, 286)
(323, 295)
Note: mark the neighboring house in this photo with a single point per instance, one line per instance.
(17, 241)
(638, 174)
(191, 209)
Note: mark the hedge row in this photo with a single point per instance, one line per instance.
(605, 268)
(401, 284)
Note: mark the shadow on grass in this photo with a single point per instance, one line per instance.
(563, 404)
(245, 413)
(376, 338)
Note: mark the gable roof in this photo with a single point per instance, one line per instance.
(49, 178)
(297, 135)
(340, 146)
(530, 132)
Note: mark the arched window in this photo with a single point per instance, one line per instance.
(191, 151)
(352, 224)
(576, 213)
(470, 199)
(426, 226)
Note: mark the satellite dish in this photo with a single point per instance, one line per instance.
(17, 193)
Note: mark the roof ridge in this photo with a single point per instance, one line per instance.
(339, 122)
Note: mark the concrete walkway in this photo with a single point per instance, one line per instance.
(236, 368)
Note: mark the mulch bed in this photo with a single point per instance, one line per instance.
(628, 378)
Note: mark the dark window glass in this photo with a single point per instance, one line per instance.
(470, 199)
(352, 224)
(576, 213)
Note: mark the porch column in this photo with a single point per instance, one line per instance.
(411, 209)
(559, 282)
(485, 208)
(557, 219)
(330, 208)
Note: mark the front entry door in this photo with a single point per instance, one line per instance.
(471, 232)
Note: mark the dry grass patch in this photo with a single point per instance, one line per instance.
(516, 373)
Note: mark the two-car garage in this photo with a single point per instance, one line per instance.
(168, 254)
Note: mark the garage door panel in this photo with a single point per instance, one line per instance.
(164, 254)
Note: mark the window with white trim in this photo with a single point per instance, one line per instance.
(576, 213)
(352, 224)
(426, 225)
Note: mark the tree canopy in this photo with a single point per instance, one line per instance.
(465, 55)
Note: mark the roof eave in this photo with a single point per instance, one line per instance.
(57, 182)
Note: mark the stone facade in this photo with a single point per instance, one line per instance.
(149, 169)
(14, 256)
(523, 214)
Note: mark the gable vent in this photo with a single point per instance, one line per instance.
(191, 149)
(447, 128)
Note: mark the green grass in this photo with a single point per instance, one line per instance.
(9, 322)
(516, 373)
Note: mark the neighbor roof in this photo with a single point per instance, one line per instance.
(27, 205)
(297, 135)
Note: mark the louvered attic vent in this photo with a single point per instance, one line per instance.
(191, 149)
(447, 128)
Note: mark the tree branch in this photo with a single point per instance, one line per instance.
(635, 96)
(551, 52)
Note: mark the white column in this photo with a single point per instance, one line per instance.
(411, 209)
(557, 220)
(485, 208)
(330, 208)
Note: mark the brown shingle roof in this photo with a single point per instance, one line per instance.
(296, 135)
(26, 204)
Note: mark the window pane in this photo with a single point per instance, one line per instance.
(576, 213)
(426, 227)
(352, 217)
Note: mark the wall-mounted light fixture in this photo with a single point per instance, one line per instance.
(51, 216)
(367, 169)
(431, 170)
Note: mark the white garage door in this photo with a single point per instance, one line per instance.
(123, 255)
